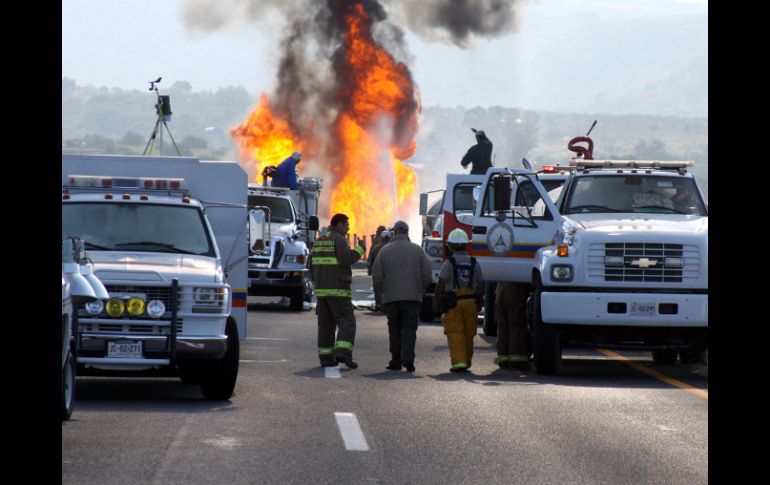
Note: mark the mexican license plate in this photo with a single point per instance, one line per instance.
(643, 309)
(125, 349)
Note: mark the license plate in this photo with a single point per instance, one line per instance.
(643, 309)
(124, 350)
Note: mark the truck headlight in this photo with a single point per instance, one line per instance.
(561, 272)
(156, 308)
(95, 307)
(210, 300)
(295, 258)
(205, 295)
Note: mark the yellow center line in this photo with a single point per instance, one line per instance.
(657, 375)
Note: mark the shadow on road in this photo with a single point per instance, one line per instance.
(143, 395)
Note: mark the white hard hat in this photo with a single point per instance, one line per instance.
(385, 234)
(457, 236)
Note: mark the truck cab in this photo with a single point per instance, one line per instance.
(629, 265)
(279, 267)
(168, 238)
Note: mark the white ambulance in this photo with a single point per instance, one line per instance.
(168, 238)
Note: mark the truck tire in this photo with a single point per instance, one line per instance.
(296, 298)
(546, 344)
(426, 309)
(218, 376)
(490, 325)
(68, 387)
(693, 356)
(664, 357)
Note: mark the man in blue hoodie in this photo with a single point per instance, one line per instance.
(286, 175)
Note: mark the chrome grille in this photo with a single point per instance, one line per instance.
(127, 327)
(638, 255)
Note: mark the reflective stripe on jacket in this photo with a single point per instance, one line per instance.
(330, 265)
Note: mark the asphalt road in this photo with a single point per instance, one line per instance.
(290, 421)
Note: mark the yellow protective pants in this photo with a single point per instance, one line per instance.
(460, 325)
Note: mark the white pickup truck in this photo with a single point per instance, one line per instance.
(168, 238)
(620, 260)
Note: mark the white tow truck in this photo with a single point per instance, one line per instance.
(614, 262)
(280, 267)
(168, 238)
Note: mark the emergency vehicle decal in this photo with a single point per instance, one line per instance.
(239, 298)
(526, 251)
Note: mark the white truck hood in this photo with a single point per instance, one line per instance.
(155, 267)
(642, 224)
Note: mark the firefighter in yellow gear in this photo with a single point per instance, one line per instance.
(330, 268)
(458, 295)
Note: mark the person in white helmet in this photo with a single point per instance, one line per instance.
(458, 296)
(286, 173)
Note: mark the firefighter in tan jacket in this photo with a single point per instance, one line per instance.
(330, 268)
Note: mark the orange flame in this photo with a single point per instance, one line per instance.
(265, 137)
(370, 137)
(375, 187)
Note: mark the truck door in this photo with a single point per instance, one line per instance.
(506, 248)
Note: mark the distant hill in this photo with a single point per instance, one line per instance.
(111, 120)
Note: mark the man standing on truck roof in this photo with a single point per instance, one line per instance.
(286, 174)
(479, 155)
(330, 268)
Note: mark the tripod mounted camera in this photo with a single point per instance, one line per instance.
(163, 112)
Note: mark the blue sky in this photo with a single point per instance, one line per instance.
(125, 43)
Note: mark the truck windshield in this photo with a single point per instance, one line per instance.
(280, 208)
(138, 227)
(635, 193)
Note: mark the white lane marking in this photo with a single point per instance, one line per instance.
(351, 432)
(263, 361)
(223, 442)
(332, 372)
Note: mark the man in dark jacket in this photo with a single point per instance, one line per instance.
(330, 264)
(401, 273)
(479, 155)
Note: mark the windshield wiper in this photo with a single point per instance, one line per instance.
(90, 245)
(660, 207)
(155, 243)
(599, 208)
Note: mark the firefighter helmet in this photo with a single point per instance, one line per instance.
(457, 236)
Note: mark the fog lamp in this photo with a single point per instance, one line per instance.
(156, 308)
(135, 306)
(115, 307)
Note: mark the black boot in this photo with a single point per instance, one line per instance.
(409, 366)
(348, 361)
(329, 363)
(394, 365)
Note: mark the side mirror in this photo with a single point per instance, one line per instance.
(423, 204)
(312, 223)
(258, 231)
(502, 188)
